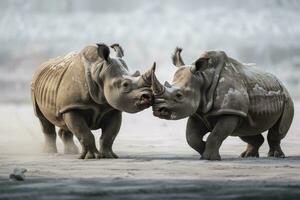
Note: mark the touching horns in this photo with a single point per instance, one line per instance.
(147, 76)
(157, 87)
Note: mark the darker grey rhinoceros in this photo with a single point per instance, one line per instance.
(225, 97)
(85, 91)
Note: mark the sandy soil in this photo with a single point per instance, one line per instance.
(155, 163)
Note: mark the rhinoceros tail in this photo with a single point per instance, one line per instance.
(34, 104)
(36, 108)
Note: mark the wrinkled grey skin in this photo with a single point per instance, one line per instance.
(86, 91)
(224, 97)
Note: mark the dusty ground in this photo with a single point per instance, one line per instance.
(155, 163)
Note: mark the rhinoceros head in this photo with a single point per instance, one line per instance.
(189, 88)
(116, 86)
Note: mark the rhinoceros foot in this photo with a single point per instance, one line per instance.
(71, 149)
(210, 155)
(250, 152)
(107, 154)
(278, 153)
(89, 153)
(49, 148)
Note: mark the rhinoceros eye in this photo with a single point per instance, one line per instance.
(125, 86)
(179, 96)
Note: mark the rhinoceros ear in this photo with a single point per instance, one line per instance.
(200, 65)
(167, 84)
(176, 57)
(213, 59)
(103, 51)
(118, 49)
(136, 73)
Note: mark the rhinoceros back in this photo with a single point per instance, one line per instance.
(251, 93)
(46, 81)
(266, 93)
(247, 90)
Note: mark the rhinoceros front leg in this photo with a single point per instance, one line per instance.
(254, 142)
(195, 131)
(110, 129)
(69, 145)
(223, 128)
(78, 126)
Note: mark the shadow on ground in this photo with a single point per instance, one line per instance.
(60, 188)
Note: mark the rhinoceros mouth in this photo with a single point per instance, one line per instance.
(142, 106)
(145, 101)
(162, 112)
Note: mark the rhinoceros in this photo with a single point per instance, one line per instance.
(222, 96)
(84, 91)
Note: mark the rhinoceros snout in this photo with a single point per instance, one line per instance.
(145, 101)
(146, 97)
(162, 112)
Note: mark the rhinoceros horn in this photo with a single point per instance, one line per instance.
(147, 76)
(118, 49)
(176, 57)
(157, 88)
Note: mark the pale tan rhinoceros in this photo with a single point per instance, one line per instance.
(86, 91)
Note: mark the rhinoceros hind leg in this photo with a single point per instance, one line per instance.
(69, 145)
(195, 131)
(274, 139)
(50, 135)
(78, 126)
(254, 142)
(280, 129)
(110, 129)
